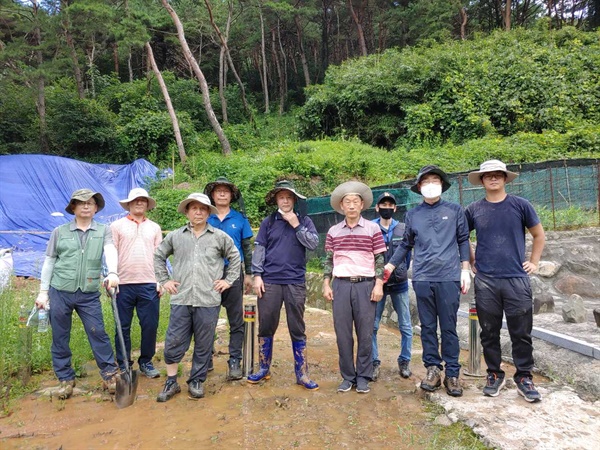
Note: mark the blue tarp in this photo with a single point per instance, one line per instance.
(34, 190)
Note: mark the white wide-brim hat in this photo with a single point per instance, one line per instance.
(493, 165)
(351, 187)
(196, 197)
(137, 193)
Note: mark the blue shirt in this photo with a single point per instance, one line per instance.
(500, 229)
(236, 225)
(392, 237)
(439, 235)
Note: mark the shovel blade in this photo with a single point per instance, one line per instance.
(126, 388)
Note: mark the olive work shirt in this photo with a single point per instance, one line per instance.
(197, 263)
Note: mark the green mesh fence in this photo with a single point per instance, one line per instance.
(564, 193)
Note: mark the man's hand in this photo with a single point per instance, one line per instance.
(247, 284)
(291, 218)
(221, 286)
(377, 292)
(111, 281)
(465, 281)
(171, 286)
(327, 292)
(389, 267)
(160, 290)
(386, 275)
(530, 267)
(42, 301)
(259, 286)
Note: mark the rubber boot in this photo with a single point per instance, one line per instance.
(265, 353)
(301, 366)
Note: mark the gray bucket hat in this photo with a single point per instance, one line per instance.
(196, 197)
(351, 187)
(493, 165)
(435, 170)
(222, 181)
(83, 195)
(283, 185)
(137, 193)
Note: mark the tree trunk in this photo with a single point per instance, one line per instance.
(72, 51)
(226, 147)
(165, 93)
(362, 43)
(264, 59)
(463, 23)
(222, 84)
(91, 56)
(302, 52)
(507, 11)
(116, 57)
(41, 91)
(279, 71)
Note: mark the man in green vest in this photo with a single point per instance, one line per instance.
(70, 280)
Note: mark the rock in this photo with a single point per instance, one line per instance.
(543, 303)
(573, 284)
(537, 286)
(442, 420)
(573, 310)
(548, 269)
(597, 316)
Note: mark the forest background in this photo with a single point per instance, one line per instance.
(317, 91)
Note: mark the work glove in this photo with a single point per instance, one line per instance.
(111, 280)
(465, 280)
(387, 273)
(42, 300)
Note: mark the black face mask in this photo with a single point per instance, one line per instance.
(386, 213)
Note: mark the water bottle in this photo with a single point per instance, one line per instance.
(23, 316)
(42, 321)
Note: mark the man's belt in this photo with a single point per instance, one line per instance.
(356, 279)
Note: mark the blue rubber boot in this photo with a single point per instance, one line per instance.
(265, 353)
(301, 366)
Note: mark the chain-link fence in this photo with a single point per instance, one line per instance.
(564, 193)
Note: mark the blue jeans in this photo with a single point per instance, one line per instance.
(401, 305)
(89, 310)
(439, 301)
(144, 299)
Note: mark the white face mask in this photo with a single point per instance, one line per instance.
(431, 190)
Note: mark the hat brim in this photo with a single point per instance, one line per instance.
(125, 203)
(210, 187)
(100, 203)
(351, 187)
(183, 205)
(475, 177)
(445, 180)
(270, 197)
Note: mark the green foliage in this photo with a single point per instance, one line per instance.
(507, 83)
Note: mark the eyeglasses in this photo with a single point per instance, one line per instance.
(88, 203)
(493, 175)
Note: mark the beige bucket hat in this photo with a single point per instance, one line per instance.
(493, 165)
(196, 197)
(351, 187)
(83, 195)
(137, 193)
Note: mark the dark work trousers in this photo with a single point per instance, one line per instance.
(352, 305)
(439, 301)
(293, 296)
(232, 300)
(511, 296)
(144, 299)
(185, 322)
(89, 310)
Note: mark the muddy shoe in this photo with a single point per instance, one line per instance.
(149, 370)
(432, 380)
(376, 368)
(453, 387)
(235, 370)
(527, 390)
(345, 386)
(171, 388)
(404, 369)
(65, 389)
(493, 385)
(195, 389)
(110, 384)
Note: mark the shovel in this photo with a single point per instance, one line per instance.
(128, 381)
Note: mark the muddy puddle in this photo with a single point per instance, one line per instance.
(277, 414)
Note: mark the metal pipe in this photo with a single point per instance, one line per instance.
(474, 369)
(249, 324)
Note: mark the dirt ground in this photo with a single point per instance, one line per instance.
(275, 414)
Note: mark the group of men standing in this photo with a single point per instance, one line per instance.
(213, 265)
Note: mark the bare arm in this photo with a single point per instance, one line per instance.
(539, 240)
